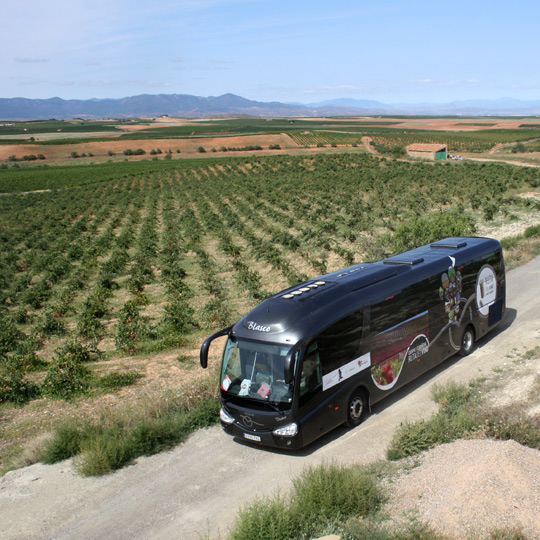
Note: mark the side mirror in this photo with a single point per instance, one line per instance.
(206, 345)
(288, 368)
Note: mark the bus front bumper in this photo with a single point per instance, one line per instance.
(264, 438)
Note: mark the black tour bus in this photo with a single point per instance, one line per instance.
(319, 354)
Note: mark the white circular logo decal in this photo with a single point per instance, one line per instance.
(486, 289)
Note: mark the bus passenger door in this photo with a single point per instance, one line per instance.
(318, 417)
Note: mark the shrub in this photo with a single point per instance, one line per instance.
(422, 230)
(76, 352)
(532, 231)
(10, 336)
(66, 377)
(215, 313)
(178, 316)
(13, 386)
(454, 419)
(131, 327)
(115, 380)
(106, 446)
(320, 496)
(265, 519)
(333, 491)
(52, 325)
(94, 308)
(65, 443)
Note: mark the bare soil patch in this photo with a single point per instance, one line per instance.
(472, 487)
(101, 149)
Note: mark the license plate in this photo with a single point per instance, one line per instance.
(252, 437)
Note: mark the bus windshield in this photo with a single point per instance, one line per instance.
(254, 370)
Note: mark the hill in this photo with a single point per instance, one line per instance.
(184, 105)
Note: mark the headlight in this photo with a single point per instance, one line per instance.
(225, 417)
(290, 430)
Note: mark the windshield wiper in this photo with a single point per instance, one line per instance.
(275, 407)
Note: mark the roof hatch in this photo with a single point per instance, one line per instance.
(449, 245)
(410, 262)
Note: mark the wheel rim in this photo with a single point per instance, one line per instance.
(356, 408)
(467, 341)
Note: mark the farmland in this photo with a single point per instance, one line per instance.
(113, 273)
(72, 142)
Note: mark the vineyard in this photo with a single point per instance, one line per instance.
(476, 141)
(157, 255)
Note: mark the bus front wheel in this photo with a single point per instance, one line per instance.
(356, 409)
(467, 341)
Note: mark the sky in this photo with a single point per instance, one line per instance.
(300, 51)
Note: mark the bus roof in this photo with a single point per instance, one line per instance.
(300, 311)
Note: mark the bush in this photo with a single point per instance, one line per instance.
(333, 491)
(532, 231)
(178, 316)
(10, 335)
(94, 308)
(131, 327)
(52, 325)
(76, 352)
(320, 496)
(65, 443)
(13, 386)
(115, 380)
(423, 230)
(67, 376)
(105, 446)
(265, 519)
(454, 419)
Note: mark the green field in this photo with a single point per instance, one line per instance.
(215, 235)
(109, 272)
(48, 126)
(386, 134)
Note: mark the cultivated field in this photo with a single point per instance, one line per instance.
(112, 274)
(75, 141)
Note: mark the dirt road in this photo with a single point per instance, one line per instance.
(197, 488)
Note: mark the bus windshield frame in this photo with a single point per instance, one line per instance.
(254, 372)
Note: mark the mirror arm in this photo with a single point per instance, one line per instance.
(206, 344)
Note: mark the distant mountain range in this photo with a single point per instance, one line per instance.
(183, 105)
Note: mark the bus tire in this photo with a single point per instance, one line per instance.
(356, 408)
(467, 341)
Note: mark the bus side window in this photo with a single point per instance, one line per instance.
(311, 377)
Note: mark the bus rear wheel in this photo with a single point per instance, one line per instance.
(356, 409)
(467, 341)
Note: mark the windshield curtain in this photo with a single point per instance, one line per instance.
(256, 371)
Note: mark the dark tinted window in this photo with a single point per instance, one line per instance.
(408, 303)
(341, 342)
